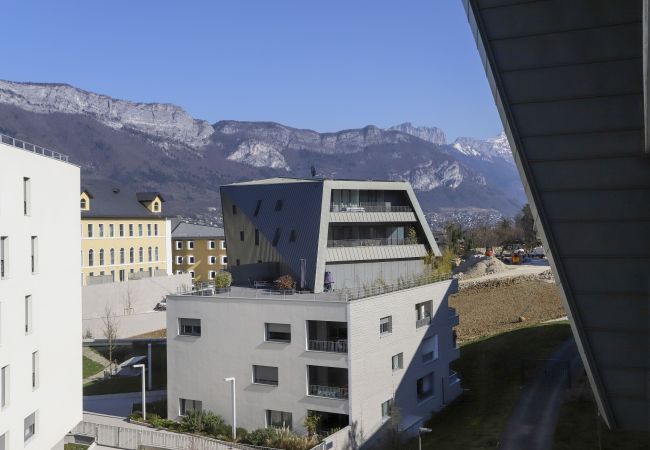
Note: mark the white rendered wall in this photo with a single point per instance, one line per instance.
(55, 291)
(232, 341)
(372, 380)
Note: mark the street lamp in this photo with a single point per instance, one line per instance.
(422, 431)
(144, 401)
(234, 407)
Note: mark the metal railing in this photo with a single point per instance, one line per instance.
(33, 148)
(371, 242)
(370, 207)
(328, 391)
(370, 291)
(419, 323)
(328, 346)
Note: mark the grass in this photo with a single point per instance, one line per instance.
(579, 425)
(118, 384)
(91, 367)
(151, 334)
(491, 375)
(74, 447)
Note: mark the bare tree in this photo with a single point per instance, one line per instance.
(128, 300)
(110, 330)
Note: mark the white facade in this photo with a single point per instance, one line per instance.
(40, 307)
(233, 339)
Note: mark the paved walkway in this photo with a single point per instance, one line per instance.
(118, 404)
(99, 359)
(532, 423)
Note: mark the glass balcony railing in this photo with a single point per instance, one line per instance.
(370, 207)
(328, 391)
(328, 346)
(372, 242)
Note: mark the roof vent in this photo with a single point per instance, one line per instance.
(116, 190)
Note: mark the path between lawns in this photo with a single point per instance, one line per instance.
(532, 423)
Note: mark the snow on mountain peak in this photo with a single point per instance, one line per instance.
(488, 149)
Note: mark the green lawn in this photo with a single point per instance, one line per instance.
(91, 367)
(75, 447)
(131, 384)
(491, 375)
(579, 426)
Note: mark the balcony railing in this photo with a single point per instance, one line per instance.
(371, 242)
(370, 291)
(423, 322)
(453, 377)
(33, 148)
(370, 207)
(328, 391)
(328, 346)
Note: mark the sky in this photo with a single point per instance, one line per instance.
(325, 65)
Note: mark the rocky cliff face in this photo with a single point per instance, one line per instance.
(496, 147)
(429, 134)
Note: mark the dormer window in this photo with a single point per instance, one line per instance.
(83, 203)
(156, 206)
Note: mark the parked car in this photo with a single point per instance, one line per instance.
(161, 305)
(538, 252)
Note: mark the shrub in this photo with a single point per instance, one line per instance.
(311, 424)
(222, 279)
(261, 436)
(285, 283)
(214, 424)
(192, 422)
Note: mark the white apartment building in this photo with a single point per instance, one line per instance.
(368, 334)
(40, 297)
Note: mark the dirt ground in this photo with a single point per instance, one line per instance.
(496, 306)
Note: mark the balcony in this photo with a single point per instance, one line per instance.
(423, 312)
(453, 317)
(453, 378)
(327, 382)
(328, 346)
(33, 148)
(372, 242)
(423, 322)
(324, 336)
(370, 208)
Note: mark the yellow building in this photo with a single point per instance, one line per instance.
(198, 250)
(124, 234)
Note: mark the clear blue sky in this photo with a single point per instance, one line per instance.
(320, 64)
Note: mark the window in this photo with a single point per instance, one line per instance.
(179, 272)
(386, 325)
(27, 193)
(257, 208)
(423, 314)
(430, 348)
(34, 254)
(156, 255)
(4, 386)
(223, 245)
(140, 229)
(278, 205)
(192, 274)
(91, 257)
(148, 229)
(224, 260)
(141, 254)
(276, 237)
(292, 236)
(191, 259)
(386, 408)
(101, 257)
(35, 364)
(189, 327)
(28, 314)
(278, 419)
(4, 257)
(179, 260)
(121, 230)
(179, 245)
(234, 210)
(241, 235)
(30, 426)
(265, 375)
(131, 230)
(156, 206)
(212, 274)
(90, 230)
(237, 262)
(83, 203)
(150, 254)
(212, 245)
(257, 236)
(185, 405)
(121, 256)
(278, 332)
(425, 387)
(155, 229)
(131, 255)
(101, 229)
(111, 230)
(190, 245)
(212, 260)
(398, 361)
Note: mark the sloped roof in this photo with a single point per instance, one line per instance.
(148, 196)
(110, 200)
(189, 230)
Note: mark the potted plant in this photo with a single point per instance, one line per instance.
(222, 281)
(286, 284)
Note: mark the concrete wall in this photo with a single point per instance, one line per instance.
(142, 295)
(56, 298)
(232, 341)
(370, 355)
(349, 275)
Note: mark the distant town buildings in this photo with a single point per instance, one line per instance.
(199, 250)
(124, 234)
(40, 297)
(364, 332)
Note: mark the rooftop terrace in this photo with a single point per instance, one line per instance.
(33, 148)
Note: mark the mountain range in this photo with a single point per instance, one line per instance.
(159, 146)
